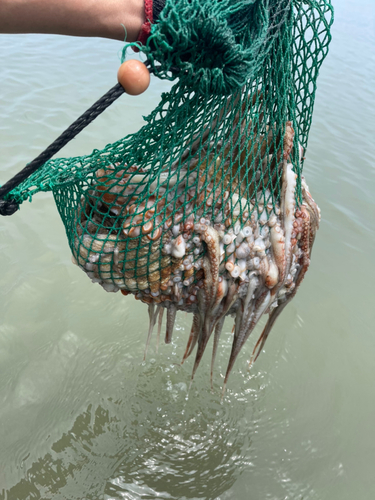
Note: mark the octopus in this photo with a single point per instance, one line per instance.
(190, 241)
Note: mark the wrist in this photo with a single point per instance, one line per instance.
(152, 10)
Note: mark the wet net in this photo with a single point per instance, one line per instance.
(204, 209)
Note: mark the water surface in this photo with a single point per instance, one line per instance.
(81, 416)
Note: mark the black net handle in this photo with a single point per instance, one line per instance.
(9, 206)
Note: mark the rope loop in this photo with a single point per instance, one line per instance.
(8, 207)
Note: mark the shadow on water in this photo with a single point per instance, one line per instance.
(156, 443)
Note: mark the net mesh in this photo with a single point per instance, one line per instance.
(207, 168)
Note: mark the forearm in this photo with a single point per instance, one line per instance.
(98, 18)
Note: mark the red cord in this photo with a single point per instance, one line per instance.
(146, 26)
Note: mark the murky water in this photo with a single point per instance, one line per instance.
(82, 417)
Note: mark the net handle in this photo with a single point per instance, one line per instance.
(9, 207)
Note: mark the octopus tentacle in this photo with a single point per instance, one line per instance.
(306, 251)
(272, 276)
(193, 337)
(229, 301)
(152, 320)
(263, 337)
(161, 313)
(206, 295)
(304, 262)
(211, 265)
(217, 312)
(222, 290)
(198, 320)
(205, 309)
(248, 305)
(218, 329)
(260, 306)
(171, 317)
(288, 140)
(278, 249)
(238, 324)
(243, 322)
(211, 238)
(203, 339)
(288, 204)
(310, 202)
(253, 283)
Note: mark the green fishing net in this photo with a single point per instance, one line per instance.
(204, 175)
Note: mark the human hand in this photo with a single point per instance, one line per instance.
(114, 19)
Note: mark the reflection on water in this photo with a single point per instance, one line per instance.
(82, 417)
(158, 436)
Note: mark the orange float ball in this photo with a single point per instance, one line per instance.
(134, 77)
